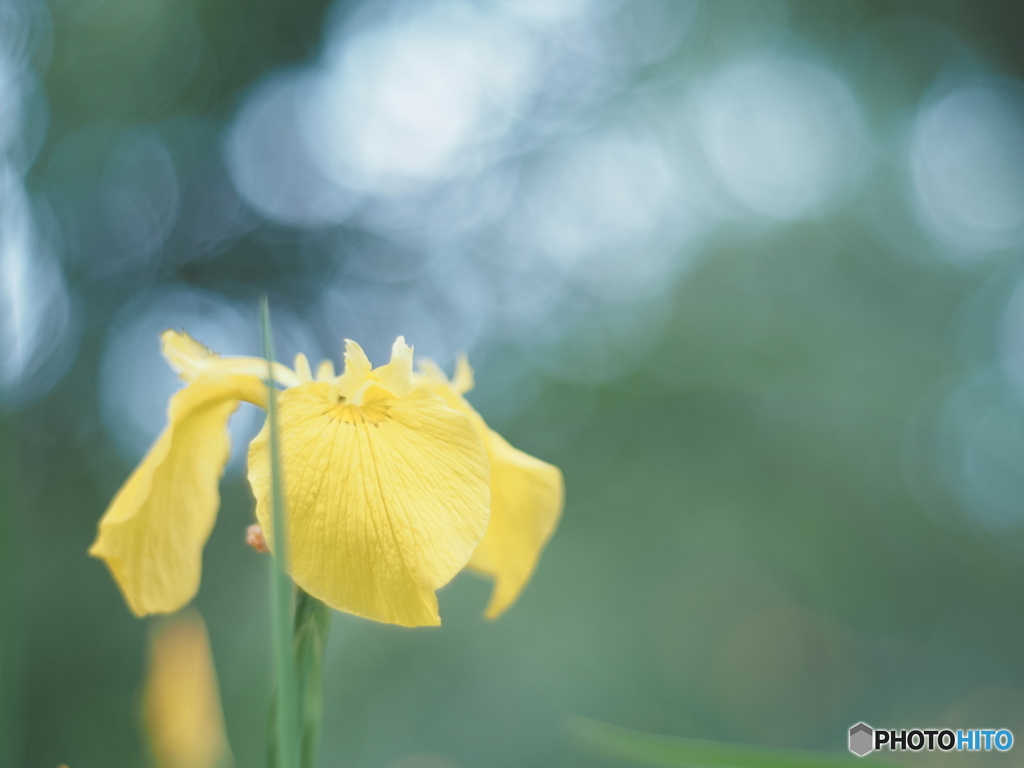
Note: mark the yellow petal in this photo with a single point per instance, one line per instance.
(356, 373)
(186, 355)
(385, 501)
(462, 381)
(302, 369)
(526, 500)
(152, 534)
(325, 370)
(396, 376)
(181, 703)
(190, 359)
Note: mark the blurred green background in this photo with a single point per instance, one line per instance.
(749, 272)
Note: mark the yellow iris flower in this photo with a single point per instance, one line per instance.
(393, 484)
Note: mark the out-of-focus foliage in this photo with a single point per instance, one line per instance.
(669, 752)
(749, 272)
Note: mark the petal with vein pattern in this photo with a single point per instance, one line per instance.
(152, 534)
(385, 501)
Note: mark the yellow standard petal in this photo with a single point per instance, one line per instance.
(181, 704)
(359, 376)
(387, 497)
(152, 534)
(527, 496)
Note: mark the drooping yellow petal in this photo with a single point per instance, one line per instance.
(152, 534)
(386, 501)
(181, 704)
(527, 496)
(190, 359)
(526, 502)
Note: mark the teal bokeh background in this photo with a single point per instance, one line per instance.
(786, 395)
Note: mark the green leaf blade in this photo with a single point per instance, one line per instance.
(287, 737)
(674, 752)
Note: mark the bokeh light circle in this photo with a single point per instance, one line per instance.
(966, 166)
(410, 99)
(136, 382)
(268, 160)
(784, 135)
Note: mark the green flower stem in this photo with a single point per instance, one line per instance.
(281, 585)
(309, 639)
(312, 625)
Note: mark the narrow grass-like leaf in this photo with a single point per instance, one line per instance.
(281, 584)
(312, 625)
(671, 752)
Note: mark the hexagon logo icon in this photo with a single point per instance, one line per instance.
(862, 739)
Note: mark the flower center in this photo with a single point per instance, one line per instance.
(358, 414)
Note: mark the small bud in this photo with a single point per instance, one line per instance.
(254, 538)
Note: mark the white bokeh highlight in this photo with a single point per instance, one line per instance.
(785, 136)
(38, 335)
(606, 212)
(38, 324)
(966, 167)
(415, 97)
(269, 163)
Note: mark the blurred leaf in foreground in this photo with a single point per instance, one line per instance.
(654, 749)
